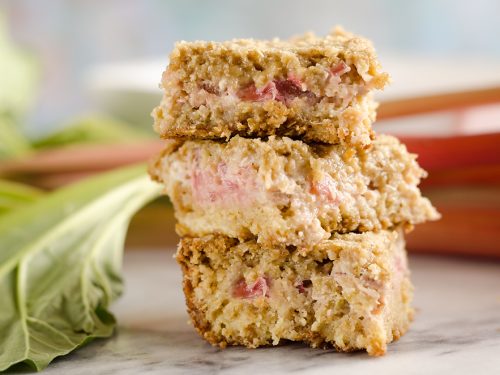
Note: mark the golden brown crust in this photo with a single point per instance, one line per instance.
(356, 271)
(183, 256)
(350, 125)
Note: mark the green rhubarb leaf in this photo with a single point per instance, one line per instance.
(92, 129)
(60, 265)
(12, 142)
(15, 195)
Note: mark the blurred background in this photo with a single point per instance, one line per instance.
(78, 74)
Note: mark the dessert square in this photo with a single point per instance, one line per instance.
(351, 292)
(312, 88)
(284, 191)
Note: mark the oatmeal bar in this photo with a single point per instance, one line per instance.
(351, 292)
(286, 191)
(315, 89)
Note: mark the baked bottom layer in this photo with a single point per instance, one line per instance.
(217, 117)
(352, 292)
(308, 87)
(286, 191)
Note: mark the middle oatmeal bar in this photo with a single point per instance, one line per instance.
(284, 191)
(312, 88)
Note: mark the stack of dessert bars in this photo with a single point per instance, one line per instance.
(291, 210)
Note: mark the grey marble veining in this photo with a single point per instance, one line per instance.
(456, 330)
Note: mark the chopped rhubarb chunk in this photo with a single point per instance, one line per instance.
(282, 90)
(303, 286)
(259, 288)
(252, 94)
(339, 69)
(287, 90)
(295, 80)
(223, 186)
(325, 189)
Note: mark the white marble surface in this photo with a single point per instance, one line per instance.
(456, 330)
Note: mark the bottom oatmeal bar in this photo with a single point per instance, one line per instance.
(351, 292)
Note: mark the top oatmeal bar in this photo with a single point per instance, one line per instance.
(315, 89)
